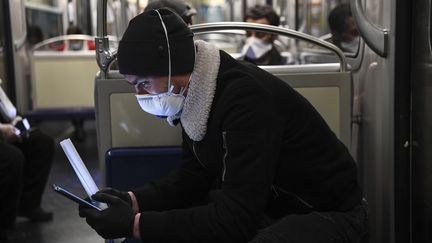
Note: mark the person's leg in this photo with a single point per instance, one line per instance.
(38, 150)
(11, 179)
(317, 227)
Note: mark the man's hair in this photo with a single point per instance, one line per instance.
(73, 29)
(337, 18)
(262, 11)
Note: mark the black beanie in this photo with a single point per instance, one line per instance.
(143, 49)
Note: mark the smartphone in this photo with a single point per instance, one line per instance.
(23, 128)
(74, 197)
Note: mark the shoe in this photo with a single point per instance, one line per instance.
(12, 236)
(37, 215)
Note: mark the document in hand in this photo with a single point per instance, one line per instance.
(80, 169)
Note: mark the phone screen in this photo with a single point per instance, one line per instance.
(74, 197)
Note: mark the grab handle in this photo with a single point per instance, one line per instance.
(376, 38)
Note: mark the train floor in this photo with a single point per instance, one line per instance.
(67, 226)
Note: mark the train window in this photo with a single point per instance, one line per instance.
(329, 20)
(43, 22)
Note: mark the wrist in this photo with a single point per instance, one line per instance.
(133, 201)
(136, 232)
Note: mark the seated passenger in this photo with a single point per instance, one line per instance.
(75, 45)
(25, 163)
(259, 48)
(34, 35)
(343, 28)
(259, 162)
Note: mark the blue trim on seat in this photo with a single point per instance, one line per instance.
(61, 113)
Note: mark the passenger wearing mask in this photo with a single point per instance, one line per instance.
(77, 45)
(25, 163)
(259, 162)
(259, 48)
(343, 28)
(180, 7)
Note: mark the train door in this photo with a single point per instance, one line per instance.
(374, 91)
(421, 166)
(7, 51)
(382, 91)
(19, 54)
(3, 45)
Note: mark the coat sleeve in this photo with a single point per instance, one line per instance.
(251, 145)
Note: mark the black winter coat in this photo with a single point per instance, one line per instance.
(266, 151)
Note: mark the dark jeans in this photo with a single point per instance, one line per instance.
(318, 227)
(24, 169)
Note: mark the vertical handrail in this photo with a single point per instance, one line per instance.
(376, 38)
(103, 55)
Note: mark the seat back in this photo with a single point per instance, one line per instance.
(129, 168)
(122, 124)
(63, 79)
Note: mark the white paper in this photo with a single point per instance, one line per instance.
(80, 169)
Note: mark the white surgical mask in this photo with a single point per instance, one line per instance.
(168, 103)
(256, 48)
(75, 46)
(351, 46)
(164, 104)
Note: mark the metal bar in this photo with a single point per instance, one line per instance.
(273, 30)
(102, 18)
(104, 56)
(62, 38)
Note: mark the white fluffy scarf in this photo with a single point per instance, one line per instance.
(202, 88)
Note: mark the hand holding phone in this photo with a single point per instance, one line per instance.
(74, 197)
(23, 127)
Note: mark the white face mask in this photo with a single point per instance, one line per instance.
(168, 103)
(164, 104)
(75, 46)
(351, 46)
(256, 48)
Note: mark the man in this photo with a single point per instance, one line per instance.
(343, 28)
(180, 7)
(259, 48)
(259, 163)
(25, 162)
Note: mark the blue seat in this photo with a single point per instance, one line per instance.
(128, 168)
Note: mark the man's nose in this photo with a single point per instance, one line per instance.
(140, 90)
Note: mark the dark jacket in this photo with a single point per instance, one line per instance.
(266, 151)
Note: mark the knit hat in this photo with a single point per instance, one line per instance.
(143, 49)
(180, 7)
